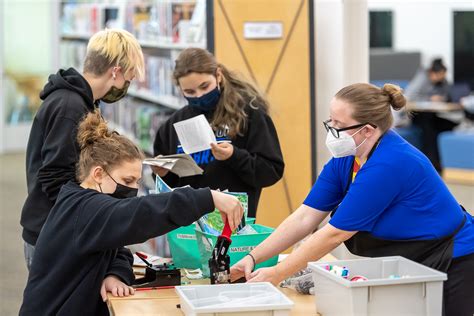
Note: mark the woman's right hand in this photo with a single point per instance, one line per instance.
(230, 208)
(159, 171)
(243, 268)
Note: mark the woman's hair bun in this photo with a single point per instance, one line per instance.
(394, 92)
(92, 129)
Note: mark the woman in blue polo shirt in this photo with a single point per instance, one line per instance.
(385, 197)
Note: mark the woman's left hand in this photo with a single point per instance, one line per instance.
(265, 275)
(222, 151)
(113, 284)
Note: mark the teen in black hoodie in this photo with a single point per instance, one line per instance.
(249, 158)
(79, 253)
(113, 58)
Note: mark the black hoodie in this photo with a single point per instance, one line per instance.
(52, 150)
(82, 242)
(256, 162)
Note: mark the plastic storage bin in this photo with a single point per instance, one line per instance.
(256, 299)
(184, 248)
(418, 292)
(241, 245)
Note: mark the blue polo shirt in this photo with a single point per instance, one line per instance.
(397, 194)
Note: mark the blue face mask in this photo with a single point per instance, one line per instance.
(206, 102)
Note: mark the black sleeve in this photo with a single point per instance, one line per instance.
(59, 156)
(164, 145)
(105, 222)
(121, 266)
(260, 164)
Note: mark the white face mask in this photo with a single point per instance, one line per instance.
(344, 145)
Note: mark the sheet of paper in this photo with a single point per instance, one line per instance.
(159, 162)
(186, 167)
(195, 134)
(181, 164)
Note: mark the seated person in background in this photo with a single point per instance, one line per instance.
(80, 252)
(431, 85)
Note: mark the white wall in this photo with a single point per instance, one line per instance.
(425, 26)
(342, 56)
(27, 36)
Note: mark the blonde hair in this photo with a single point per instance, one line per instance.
(372, 104)
(102, 147)
(237, 93)
(114, 47)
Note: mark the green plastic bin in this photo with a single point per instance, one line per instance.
(241, 245)
(184, 248)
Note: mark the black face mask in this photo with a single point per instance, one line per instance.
(206, 102)
(122, 191)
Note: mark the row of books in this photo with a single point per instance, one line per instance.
(72, 54)
(168, 21)
(163, 21)
(159, 76)
(136, 119)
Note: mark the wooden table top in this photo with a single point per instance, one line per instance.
(165, 301)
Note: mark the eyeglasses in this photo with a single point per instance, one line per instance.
(335, 131)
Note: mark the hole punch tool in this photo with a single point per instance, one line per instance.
(157, 275)
(219, 263)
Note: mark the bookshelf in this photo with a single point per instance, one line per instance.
(163, 28)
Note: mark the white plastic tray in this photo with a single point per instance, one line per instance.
(258, 298)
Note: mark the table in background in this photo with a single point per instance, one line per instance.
(430, 106)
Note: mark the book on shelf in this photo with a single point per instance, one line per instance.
(136, 119)
(140, 19)
(85, 19)
(180, 12)
(182, 165)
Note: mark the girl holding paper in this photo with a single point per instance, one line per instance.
(246, 156)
